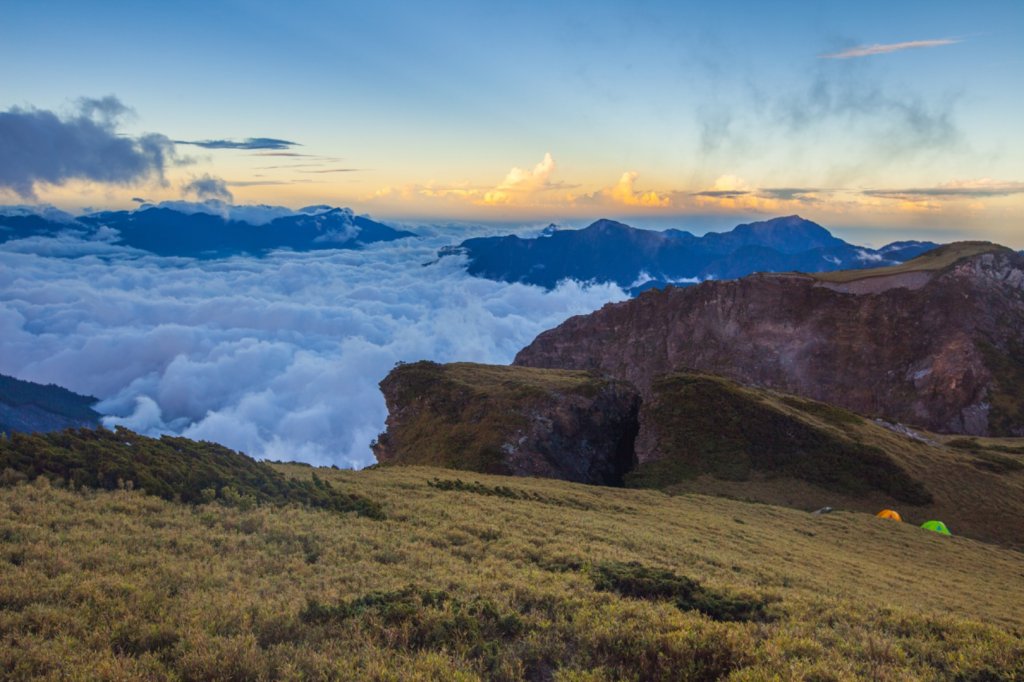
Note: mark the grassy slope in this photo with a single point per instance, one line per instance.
(977, 491)
(463, 584)
(707, 424)
(936, 259)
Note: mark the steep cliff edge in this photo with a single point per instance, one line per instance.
(568, 425)
(937, 342)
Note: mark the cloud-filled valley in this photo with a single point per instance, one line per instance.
(277, 356)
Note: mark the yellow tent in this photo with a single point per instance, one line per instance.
(889, 514)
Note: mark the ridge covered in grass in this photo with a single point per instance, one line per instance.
(930, 261)
(706, 424)
(169, 467)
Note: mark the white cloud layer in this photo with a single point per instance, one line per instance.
(279, 357)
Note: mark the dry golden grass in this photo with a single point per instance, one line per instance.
(935, 259)
(117, 585)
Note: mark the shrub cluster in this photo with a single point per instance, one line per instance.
(169, 467)
(637, 581)
(504, 491)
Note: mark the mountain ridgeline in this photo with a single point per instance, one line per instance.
(26, 406)
(636, 259)
(214, 232)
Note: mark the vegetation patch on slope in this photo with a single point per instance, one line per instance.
(996, 458)
(505, 491)
(708, 425)
(1006, 413)
(171, 468)
(633, 579)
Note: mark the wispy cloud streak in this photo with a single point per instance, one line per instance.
(248, 143)
(972, 189)
(879, 48)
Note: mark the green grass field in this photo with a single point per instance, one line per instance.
(492, 578)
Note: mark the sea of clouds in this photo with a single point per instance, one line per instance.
(278, 356)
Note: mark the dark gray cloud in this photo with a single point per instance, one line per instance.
(256, 183)
(789, 193)
(247, 143)
(208, 187)
(41, 147)
(975, 190)
(333, 170)
(721, 193)
(896, 121)
(853, 100)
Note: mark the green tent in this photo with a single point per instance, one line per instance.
(937, 526)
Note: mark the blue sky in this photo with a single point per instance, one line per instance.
(569, 111)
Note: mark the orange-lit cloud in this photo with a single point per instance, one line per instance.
(520, 185)
(624, 192)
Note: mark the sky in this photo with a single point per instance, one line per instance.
(879, 119)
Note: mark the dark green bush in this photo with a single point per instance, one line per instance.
(504, 491)
(169, 467)
(636, 581)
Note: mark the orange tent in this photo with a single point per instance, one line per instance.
(889, 514)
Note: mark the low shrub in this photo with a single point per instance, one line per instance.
(636, 581)
(168, 467)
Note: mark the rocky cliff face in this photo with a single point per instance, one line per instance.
(573, 426)
(937, 342)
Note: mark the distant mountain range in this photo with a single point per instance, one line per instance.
(28, 407)
(210, 230)
(636, 259)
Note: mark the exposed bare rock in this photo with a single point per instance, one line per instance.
(574, 426)
(937, 342)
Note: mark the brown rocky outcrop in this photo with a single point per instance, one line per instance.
(937, 343)
(574, 426)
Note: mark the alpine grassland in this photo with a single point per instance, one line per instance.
(466, 576)
(936, 259)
